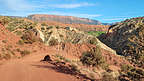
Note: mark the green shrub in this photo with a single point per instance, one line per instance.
(53, 42)
(50, 27)
(44, 24)
(57, 27)
(96, 33)
(93, 41)
(20, 42)
(93, 57)
(10, 28)
(18, 32)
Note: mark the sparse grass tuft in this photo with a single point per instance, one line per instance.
(25, 52)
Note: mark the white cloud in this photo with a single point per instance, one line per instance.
(25, 7)
(71, 5)
(114, 19)
(16, 5)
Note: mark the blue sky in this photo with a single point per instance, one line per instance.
(103, 10)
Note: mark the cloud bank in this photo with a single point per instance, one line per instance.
(76, 5)
(25, 7)
(16, 5)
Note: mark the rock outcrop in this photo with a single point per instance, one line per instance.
(127, 38)
(63, 19)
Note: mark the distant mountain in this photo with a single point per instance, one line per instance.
(63, 19)
(15, 16)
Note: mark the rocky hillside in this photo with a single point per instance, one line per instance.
(62, 19)
(18, 38)
(13, 46)
(82, 27)
(127, 38)
(30, 32)
(71, 50)
(55, 34)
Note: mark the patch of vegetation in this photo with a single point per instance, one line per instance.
(127, 38)
(96, 33)
(50, 27)
(44, 24)
(62, 58)
(25, 52)
(20, 42)
(107, 77)
(57, 27)
(134, 48)
(93, 57)
(13, 24)
(75, 68)
(18, 33)
(132, 73)
(93, 41)
(29, 37)
(7, 52)
(4, 41)
(53, 42)
(7, 56)
(5, 20)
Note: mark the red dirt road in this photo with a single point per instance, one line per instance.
(30, 68)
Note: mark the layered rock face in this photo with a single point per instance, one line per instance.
(62, 19)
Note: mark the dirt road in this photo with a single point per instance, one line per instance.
(30, 68)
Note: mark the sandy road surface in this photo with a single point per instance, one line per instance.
(30, 68)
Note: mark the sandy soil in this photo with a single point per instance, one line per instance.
(30, 68)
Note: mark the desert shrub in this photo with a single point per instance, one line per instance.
(136, 53)
(42, 28)
(61, 35)
(134, 74)
(93, 57)
(24, 52)
(18, 32)
(7, 56)
(44, 24)
(57, 27)
(93, 41)
(50, 27)
(18, 50)
(5, 20)
(62, 58)
(20, 42)
(10, 28)
(53, 42)
(29, 37)
(108, 77)
(105, 66)
(74, 67)
(4, 41)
